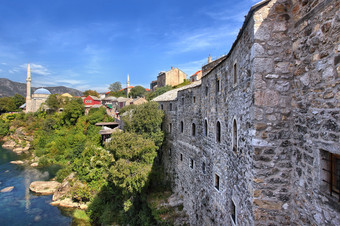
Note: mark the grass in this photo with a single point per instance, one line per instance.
(81, 215)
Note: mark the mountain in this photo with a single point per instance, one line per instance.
(9, 88)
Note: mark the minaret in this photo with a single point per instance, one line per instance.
(127, 86)
(28, 90)
(209, 59)
(28, 80)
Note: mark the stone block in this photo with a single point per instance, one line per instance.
(267, 98)
(269, 205)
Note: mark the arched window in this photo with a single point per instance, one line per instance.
(182, 128)
(234, 136)
(218, 132)
(193, 129)
(205, 127)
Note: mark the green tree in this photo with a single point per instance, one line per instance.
(115, 87)
(7, 104)
(91, 93)
(53, 102)
(120, 93)
(18, 100)
(145, 119)
(73, 110)
(137, 91)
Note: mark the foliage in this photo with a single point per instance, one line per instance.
(120, 93)
(4, 128)
(18, 100)
(53, 102)
(186, 82)
(159, 91)
(137, 91)
(91, 93)
(80, 215)
(73, 110)
(7, 104)
(146, 119)
(115, 87)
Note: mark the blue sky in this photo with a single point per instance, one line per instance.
(87, 44)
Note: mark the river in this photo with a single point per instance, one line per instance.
(20, 206)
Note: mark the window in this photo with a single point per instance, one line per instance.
(181, 157)
(217, 85)
(194, 99)
(235, 73)
(182, 100)
(169, 151)
(170, 106)
(203, 167)
(182, 127)
(233, 212)
(331, 173)
(191, 163)
(162, 106)
(170, 127)
(234, 141)
(218, 132)
(206, 91)
(193, 129)
(217, 182)
(205, 127)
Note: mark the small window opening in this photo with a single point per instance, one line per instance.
(206, 90)
(162, 106)
(170, 106)
(331, 172)
(194, 99)
(191, 163)
(169, 151)
(193, 129)
(218, 132)
(182, 100)
(203, 167)
(217, 85)
(181, 157)
(217, 182)
(233, 212)
(170, 127)
(234, 136)
(235, 73)
(182, 128)
(205, 127)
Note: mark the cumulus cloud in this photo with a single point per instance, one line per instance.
(37, 69)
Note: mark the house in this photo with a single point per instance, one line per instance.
(197, 76)
(91, 100)
(172, 77)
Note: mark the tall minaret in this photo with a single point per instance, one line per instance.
(127, 86)
(28, 90)
(28, 80)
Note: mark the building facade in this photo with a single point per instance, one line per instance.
(172, 77)
(256, 141)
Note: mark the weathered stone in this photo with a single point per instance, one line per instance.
(19, 162)
(266, 98)
(270, 205)
(44, 187)
(7, 189)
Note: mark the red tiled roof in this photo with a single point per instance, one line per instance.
(197, 72)
(125, 88)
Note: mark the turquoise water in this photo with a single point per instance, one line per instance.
(20, 206)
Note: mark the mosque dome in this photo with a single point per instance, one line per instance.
(42, 91)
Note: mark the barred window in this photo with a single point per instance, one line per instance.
(331, 176)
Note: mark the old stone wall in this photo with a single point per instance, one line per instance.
(265, 118)
(316, 131)
(172, 77)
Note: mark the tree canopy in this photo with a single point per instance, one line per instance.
(91, 93)
(115, 87)
(137, 91)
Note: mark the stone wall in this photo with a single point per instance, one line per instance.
(172, 77)
(316, 46)
(279, 84)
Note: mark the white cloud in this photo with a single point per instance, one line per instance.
(37, 69)
(193, 66)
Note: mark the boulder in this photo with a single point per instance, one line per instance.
(44, 187)
(68, 203)
(7, 189)
(19, 162)
(34, 164)
(64, 188)
(10, 144)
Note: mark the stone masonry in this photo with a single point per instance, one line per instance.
(249, 143)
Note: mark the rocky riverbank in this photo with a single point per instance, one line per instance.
(19, 141)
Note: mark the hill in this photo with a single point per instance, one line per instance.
(9, 88)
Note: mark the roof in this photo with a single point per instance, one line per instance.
(130, 87)
(110, 98)
(42, 91)
(94, 97)
(172, 94)
(107, 124)
(93, 106)
(123, 99)
(245, 23)
(197, 72)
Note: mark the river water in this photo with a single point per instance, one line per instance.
(20, 206)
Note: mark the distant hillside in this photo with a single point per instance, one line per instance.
(9, 88)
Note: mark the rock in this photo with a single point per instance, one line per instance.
(44, 187)
(7, 189)
(68, 203)
(64, 188)
(10, 144)
(19, 162)
(34, 164)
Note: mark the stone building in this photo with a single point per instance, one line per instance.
(256, 140)
(172, 77)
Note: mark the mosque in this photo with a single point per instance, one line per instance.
(33, 102)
